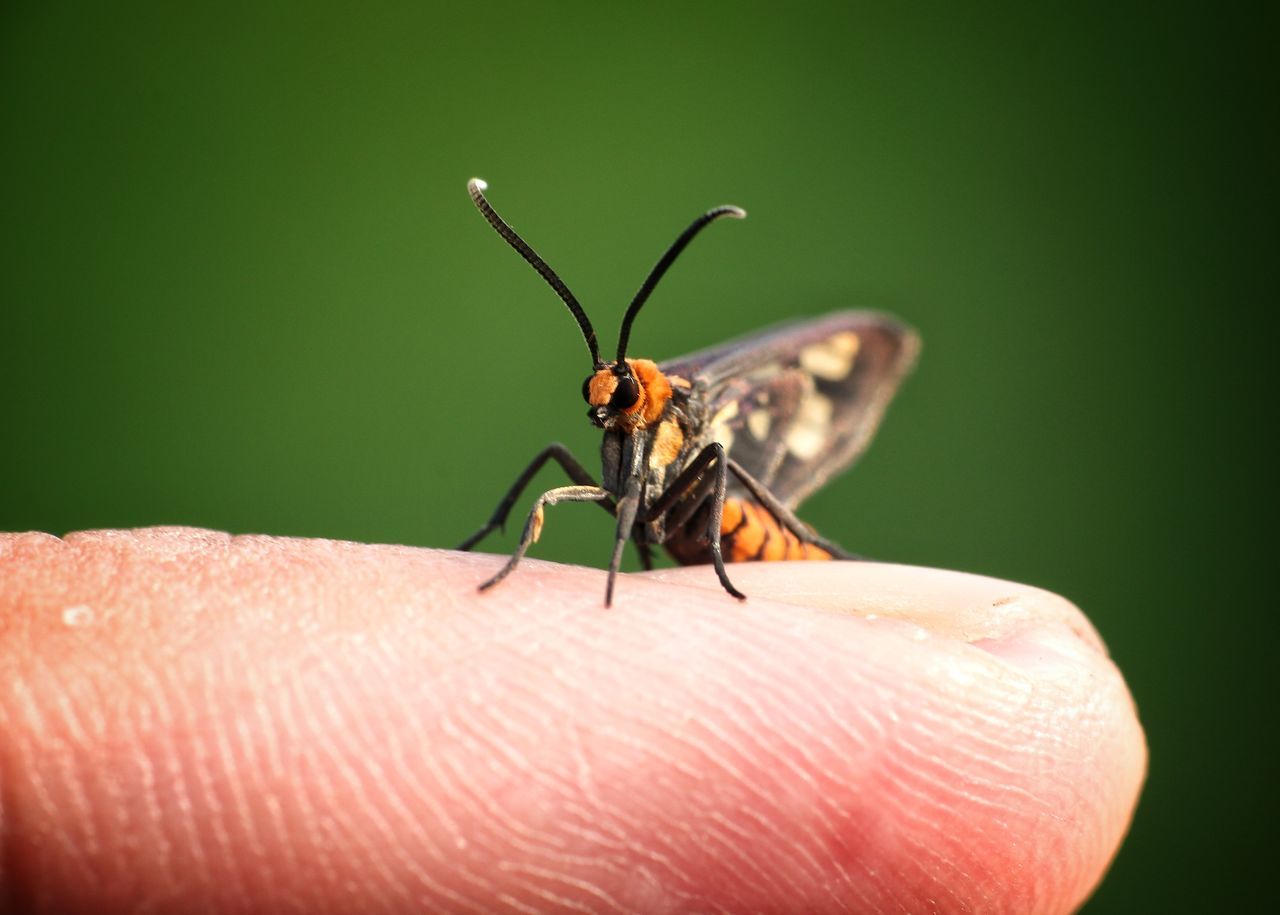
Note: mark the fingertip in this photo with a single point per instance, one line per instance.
(1028, 749)
(916, 741)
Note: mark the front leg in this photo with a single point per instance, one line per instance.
(533, 526)
(628, 508)
(555, 451)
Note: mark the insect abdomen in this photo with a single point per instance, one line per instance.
(748, 533)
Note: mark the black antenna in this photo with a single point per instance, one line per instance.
(475, 188)
(661, 267)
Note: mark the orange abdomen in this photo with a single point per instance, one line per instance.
(748, 533)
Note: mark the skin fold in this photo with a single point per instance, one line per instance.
(194, 722)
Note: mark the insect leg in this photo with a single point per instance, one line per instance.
(689, 480)
(717, 518)
(533, 525)
(554, 451)
(785, 516)
(697, 494)
(628, 506)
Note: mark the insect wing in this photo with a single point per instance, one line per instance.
(797, 403)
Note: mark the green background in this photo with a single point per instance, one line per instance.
(241, 286)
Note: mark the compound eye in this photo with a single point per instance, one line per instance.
(626, 394)
(586, 389)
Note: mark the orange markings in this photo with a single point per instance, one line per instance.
(813, 551)
(751, 534)
(775, 543)
(732, 516)
(666, 444)
(655, 389)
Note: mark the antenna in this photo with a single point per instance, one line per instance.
(476, 187)
(661, 266)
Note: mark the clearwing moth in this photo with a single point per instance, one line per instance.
(709, 455)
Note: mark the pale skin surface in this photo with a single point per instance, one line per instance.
(191, 722)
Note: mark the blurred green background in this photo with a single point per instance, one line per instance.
(241, 286)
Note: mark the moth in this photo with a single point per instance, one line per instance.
(709, 455)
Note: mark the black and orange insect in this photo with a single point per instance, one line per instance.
(709, 455)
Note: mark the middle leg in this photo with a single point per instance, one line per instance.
(690, 482)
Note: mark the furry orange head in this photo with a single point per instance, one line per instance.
(633, 397)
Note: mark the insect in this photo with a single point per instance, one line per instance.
(709, 455)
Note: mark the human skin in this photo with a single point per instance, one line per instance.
(194, 722)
